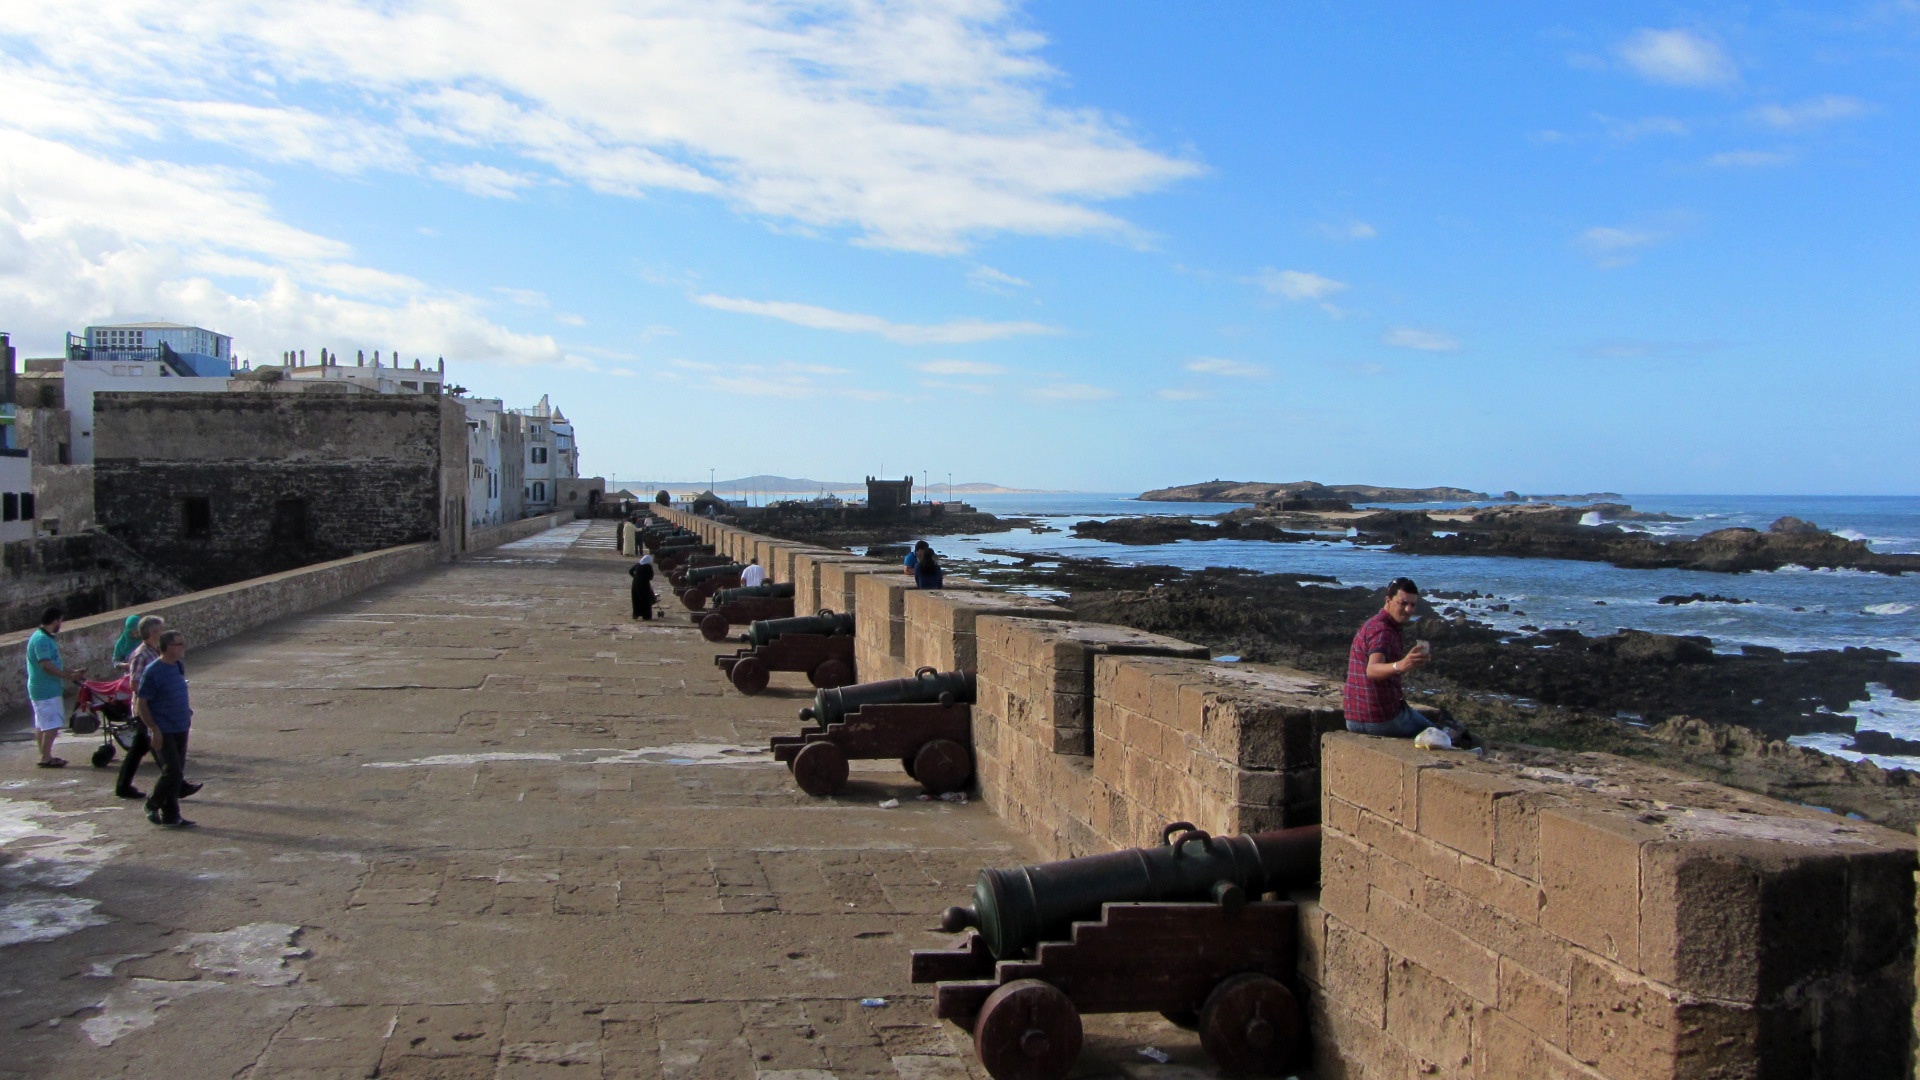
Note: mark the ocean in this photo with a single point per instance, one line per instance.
(1792, 609)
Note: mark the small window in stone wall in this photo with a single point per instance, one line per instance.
(9, 507)
(26, 506)
(196, 516)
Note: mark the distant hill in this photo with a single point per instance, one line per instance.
(1251, 491)
(764, 483)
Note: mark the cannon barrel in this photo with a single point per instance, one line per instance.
(754, 592)
(688, 540)
(826, 623)
(1017, 909)
(701, 573)
(927, 685)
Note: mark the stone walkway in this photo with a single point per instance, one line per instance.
(480, 824)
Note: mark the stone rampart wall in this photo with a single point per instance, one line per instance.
(1581, 916)
(217, 614)
(1546, 916)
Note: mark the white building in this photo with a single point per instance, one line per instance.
(385, 377)
(552, 456)
(485, 474)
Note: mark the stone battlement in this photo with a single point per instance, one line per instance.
(1539, 915)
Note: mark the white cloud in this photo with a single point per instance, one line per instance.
(1820, 110)
(526, 298)
(949, 386)
(1678, 58)
(1179, 395)
(987, 277)
(1406, 337)
(483, 180)
(960, 367)
(1074, 392)
(913, 126)
(1748, 159)
(959, 331)
(1615, 246)
(570, 319)
(1297, 284)
(1233, 369)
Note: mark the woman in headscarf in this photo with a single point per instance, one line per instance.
(128, 641)
(643, 598)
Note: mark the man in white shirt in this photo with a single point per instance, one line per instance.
(754, 574)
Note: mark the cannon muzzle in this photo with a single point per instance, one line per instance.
(928, 685)
(1015, 910)
(826, 624)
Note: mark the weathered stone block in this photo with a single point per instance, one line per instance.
(1427, 1012)
(1457, 808)
(1590, 870)
(1469, 966)
(1627, 1026)
(1356, 965)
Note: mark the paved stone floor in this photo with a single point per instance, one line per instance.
(478, 823)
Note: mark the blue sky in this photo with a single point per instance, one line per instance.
(1082, 245)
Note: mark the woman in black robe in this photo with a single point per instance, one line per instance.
(643, 598)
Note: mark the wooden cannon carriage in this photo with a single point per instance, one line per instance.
(744, 606)
(1224, 965)
(820, 645)
(925, 723)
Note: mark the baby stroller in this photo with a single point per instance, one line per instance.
(105, 706)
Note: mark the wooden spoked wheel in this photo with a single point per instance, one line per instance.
(942, 765)
(820, 768)
(1251, 1024)
(1027, 1030)
(750, 675)
(830, 673)
(714, 626)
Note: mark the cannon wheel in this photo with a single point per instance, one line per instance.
(1251, 1024)
(830, 673)
(103, 756)
(1027, 1030)
(750, 675)
(695, 597)
(906, 763)
(714, 626)
(942, 766)
(820, 768)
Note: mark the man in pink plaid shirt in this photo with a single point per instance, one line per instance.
(1372, 699)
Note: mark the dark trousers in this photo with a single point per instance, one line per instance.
(171, 753)
(135, 754)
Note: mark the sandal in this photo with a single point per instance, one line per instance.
(54, 763)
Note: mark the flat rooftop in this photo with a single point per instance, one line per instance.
(478, 823)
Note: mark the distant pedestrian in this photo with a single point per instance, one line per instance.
(168, 716)
(913, 557)
(128, 640)
(145, 653)
(643, 598)
(754, 574)
(45, 689)
(927, 573)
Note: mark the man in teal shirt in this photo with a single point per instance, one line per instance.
(45, 684)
